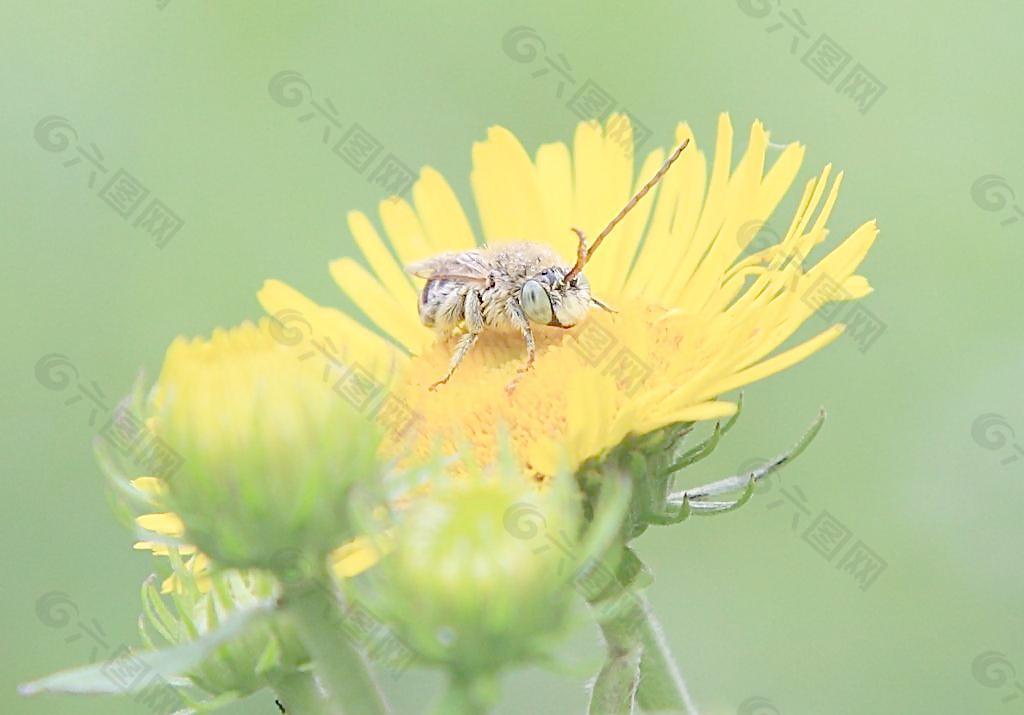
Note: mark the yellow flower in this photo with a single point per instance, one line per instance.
(268, 455)
(700, 313)
(698, 316)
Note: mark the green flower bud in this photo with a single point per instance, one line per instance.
(481, 574)
(269, 452)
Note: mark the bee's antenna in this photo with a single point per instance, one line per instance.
(585, 253)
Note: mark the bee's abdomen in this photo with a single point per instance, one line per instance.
(441, 303)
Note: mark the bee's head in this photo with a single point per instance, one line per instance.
(549, 299)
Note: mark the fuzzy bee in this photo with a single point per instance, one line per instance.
(511, 286)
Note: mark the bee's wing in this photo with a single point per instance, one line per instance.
(465, 266)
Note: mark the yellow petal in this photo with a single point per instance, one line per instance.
(388, 272)
(711, 216)
(396, 319)
(163, 549)
(711, 410)
(505, 186)
(554, 182)
(610, 266)
(405, 231)
(152, 486)
(441, 213)
(776, 364)
(358, 555)
(313, 323)
(166, 523)
(857, 287)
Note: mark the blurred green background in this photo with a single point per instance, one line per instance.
(178, 97)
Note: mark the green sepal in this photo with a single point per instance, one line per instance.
(157, 613)
(270, 658)
(705, 448)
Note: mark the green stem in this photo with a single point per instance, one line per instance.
(351, 689)
(299, 695)
(637, 652)
(614, 691)
(467, 695)
(662, 688)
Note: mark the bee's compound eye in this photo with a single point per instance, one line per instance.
(536, 302)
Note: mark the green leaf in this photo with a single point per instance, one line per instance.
(167, 663)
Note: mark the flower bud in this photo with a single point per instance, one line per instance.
(258, 658)
(482, 570)
(268, 451)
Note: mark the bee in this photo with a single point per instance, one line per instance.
(512, 286)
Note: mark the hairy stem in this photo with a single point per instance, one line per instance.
(618, 612)
(614, 691)
(351, 689)
(662, 688)
(639, 669)
(299, 694)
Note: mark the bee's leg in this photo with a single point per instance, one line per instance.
(518, 319)
(475, 324)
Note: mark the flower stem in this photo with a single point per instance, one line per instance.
(662, 688)
(299, 694)
(614, 690)
(639, 668)
(351, 689)
(618, 614)
(468, 695)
